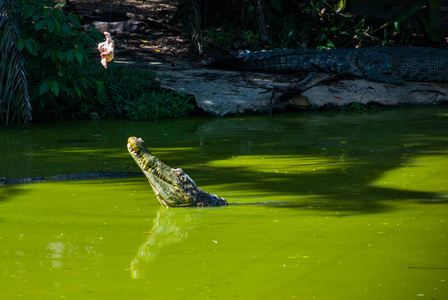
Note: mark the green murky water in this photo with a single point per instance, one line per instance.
(332, 206)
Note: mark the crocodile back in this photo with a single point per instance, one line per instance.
(384, 64)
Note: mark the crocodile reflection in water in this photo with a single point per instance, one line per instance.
(170, 227)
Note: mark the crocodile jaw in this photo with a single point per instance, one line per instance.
(163, 179)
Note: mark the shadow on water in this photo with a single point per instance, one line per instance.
(325, 161)
(8, 193)
(347, 156)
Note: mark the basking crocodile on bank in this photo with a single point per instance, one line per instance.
(382, 64)
(172, 187)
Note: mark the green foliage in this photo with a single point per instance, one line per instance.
(330, 29)
(342, 32)
(130, 93)
(64, 84)
(359, 107)
(229, 37)
(286, 26)
(162, 105)
(318, 24)
(402, 29)
(52, 43)
(290, 24)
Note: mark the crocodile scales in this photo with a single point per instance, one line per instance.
(382, 64)
(173, 187)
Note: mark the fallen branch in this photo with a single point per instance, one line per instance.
(279, 89)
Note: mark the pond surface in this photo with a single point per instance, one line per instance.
(330, 206)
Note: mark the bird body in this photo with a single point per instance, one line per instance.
(106, 49)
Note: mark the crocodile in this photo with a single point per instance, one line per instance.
(394, 65)
(173, 187)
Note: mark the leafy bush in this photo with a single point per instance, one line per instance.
(63, 84)
(317, 24)
(53, 43)
(228, 37)
(126, 92)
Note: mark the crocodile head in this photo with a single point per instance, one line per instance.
(172, 186)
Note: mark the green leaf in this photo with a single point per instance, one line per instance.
(87, 39)
(74, 20)
(53, 55)
(54, 87)
(39, 25)
(50, 24)
(66, 29)
(56, 55)
(397, 26)
(84, 82)
(29, 45)
(28, 12)
(70, 55)
(59, 55)
(20, 44)
(79, 56)
(44, 87)
(77, 89)
(340, 6)
(59, 14)
(44, 11)
(78, 92)
(57, 25)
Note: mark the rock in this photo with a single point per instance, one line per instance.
(344, 92)
(221, 92)
(94, 116)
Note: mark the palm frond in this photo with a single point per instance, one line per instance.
(14, 98)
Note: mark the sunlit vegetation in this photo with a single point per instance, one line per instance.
(421, 173)
(61, 79)
(54, 77)
(128, 93)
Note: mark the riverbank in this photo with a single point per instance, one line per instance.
(221, 92)
(144, 40)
